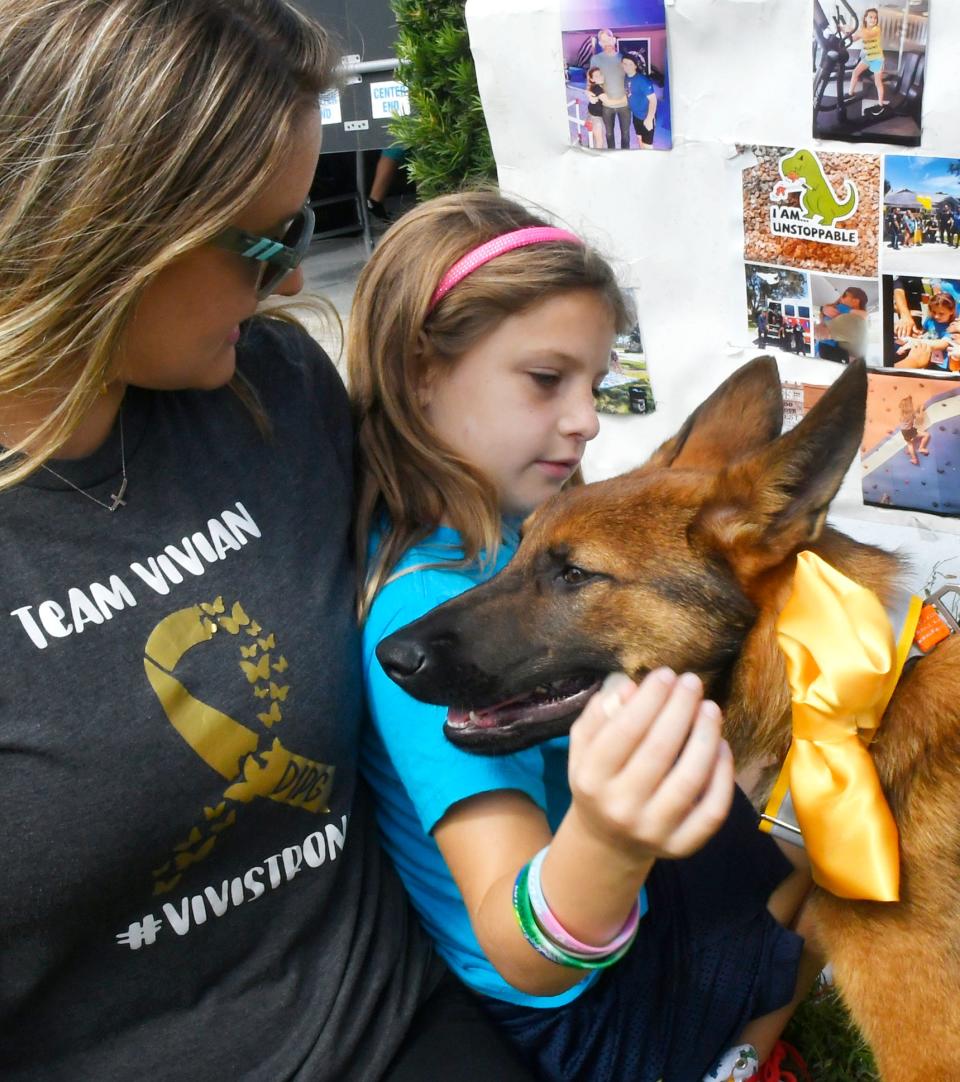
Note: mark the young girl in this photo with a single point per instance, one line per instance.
(596, 100)
(939, 327)
(852, 302)
(478, 337)
(913, 428)
(940, 332)
(871, 36)
(852, 299)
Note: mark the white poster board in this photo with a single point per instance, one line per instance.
(673, 222)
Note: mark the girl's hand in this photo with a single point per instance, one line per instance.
(650, 773)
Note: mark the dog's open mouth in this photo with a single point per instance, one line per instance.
(548, 710)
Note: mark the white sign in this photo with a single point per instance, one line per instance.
(389, 99)
(330, 107)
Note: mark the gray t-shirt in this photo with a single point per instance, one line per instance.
(613, 74)
(191, 885)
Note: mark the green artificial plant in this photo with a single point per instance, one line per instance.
(445, 133)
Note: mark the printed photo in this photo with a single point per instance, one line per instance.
(847, 321)
(810, 210)
(798, 400)
(921, 328)
(911, 446)
(921, 214)
(779, 309)
(626, 387)
(868, 70)
(615, 65)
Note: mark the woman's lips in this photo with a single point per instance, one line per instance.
(234, 336)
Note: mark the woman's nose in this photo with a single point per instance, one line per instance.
(291, 284)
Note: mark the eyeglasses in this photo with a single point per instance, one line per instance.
(278, 257)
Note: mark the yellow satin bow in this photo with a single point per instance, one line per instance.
(842, 666)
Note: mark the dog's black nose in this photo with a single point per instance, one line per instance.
(401, 658)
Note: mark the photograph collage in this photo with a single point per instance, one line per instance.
(853, 256)
(857, 256)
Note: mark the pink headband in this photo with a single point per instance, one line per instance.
(518, 238)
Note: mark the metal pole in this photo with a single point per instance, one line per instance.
(365, 67)
(364, 214)
(903, 33)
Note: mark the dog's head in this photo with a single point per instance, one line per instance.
(662, 566)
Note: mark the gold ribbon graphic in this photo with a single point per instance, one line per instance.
(256, 765)
(842, 666)
(221, 741)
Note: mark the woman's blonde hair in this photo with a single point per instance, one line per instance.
(131, 131)
(394, 338)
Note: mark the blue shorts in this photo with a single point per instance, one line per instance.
(708, 958)
(875, 66)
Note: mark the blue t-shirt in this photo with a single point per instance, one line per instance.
(639, 88)
(417, 774)
(842, 309)
(934, 329)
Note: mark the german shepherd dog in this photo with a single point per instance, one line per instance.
(687, 562)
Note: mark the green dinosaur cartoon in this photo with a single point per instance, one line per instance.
(817, 198)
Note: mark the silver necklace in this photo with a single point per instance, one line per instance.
(116, 497)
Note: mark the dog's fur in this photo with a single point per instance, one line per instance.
(687, 562)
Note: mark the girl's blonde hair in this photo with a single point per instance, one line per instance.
(131, 131)
(944, 300)
(394, 339)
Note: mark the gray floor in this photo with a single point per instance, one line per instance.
(331, 271)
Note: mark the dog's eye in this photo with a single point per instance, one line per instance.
(573, 575)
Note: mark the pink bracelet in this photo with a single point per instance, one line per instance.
(556, 931)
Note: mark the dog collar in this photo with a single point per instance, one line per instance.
(937, 622)
(919, 626)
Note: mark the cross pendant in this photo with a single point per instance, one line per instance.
(117, 497)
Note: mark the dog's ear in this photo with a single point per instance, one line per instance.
(745, 412)
(766, 506)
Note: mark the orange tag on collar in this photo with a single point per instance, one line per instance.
(931, 629)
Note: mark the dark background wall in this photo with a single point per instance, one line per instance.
(366, 28)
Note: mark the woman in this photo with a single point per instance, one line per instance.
(191, 885)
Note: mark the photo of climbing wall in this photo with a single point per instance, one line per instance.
(615, 74)
(811, 211)
(910, 455)
(869, 65)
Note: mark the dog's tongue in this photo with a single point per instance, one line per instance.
(543, 704)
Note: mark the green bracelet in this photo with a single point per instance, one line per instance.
(543, 944)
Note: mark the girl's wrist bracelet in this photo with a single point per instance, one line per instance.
(555, 930)
(546, 946)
